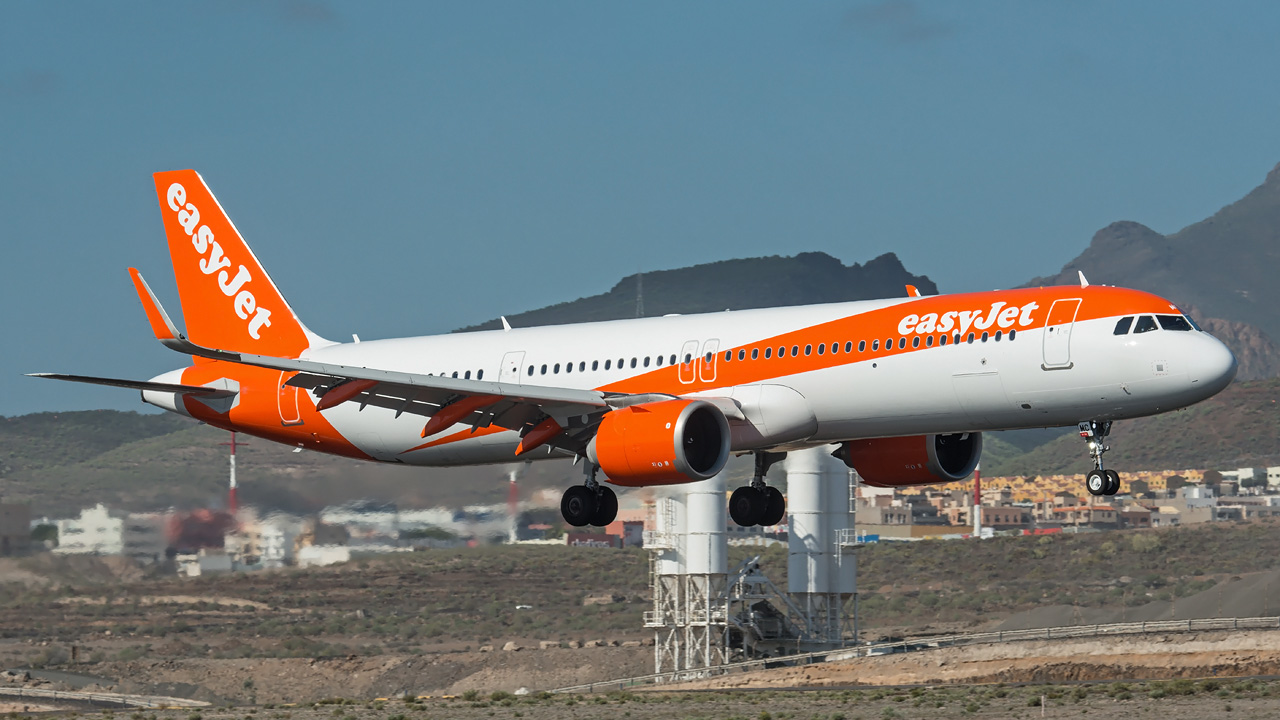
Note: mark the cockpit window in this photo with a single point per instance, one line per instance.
(1146, 323)
(1174, 322)
(1193, 322)
(1122, 327)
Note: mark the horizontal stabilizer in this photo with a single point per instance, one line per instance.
(206, 392)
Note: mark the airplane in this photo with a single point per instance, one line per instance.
(904, 387)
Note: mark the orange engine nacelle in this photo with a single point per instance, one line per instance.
(661, 443)
(914, 460)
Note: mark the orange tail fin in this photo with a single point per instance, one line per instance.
(228, 300)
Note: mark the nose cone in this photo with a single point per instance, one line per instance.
(1211, 366)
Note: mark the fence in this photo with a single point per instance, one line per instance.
(138, 701)
(933, 642)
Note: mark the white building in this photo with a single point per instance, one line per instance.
(95, 532)
(145, 536)
(276, 540)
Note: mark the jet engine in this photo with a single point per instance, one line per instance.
(661, 443)
(913, 460)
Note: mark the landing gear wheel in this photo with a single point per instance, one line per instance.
(775, 506)
(747, 505)
(578, 505)
(1113, 482)
(1097, 482)
(606, 508)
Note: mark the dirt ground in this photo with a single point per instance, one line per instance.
(1193, 655)
(1253, 699)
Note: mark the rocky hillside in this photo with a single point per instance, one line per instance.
(804, 279)
(1224, 267)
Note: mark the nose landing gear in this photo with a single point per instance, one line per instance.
(757, 503)
(589, 503)
(1099, 481)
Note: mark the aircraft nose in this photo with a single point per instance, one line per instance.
(1211, 365)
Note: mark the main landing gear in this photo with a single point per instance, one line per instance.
(590, 503)
(757, 503)
(1099, 481)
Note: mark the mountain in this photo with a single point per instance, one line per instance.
(1224, 267)
(774, 281)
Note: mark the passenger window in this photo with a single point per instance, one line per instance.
(795, 350)
(568, 367)
(808, 349)
(1146, 323)
(530, 371)
(970, 338)
(984, 337)
(875, 345)
(633, 362)
(768, 353)
(782, 352)
(544, 369)
(915, 341)
(467, 375)
(607, 364)
(822, 349)
(455, 373)
(708, 357)
(582, 366)
(943, 340)
(1122, 327)
(888, 344)
(999, 334)
(848, 346)
(755, 353)
(657, 360)
(595, 365)
(646, 361)
(928, 342)
(742, 354)
(862, 346)
(956, 340)
(673, 360)
(556, 371)
(1174, 322)
(688, 358)
(902, 343)
(1013, 334)
(728, 355)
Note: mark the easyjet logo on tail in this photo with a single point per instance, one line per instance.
(215, 261)
(999, 315)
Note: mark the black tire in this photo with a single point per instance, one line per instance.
(578, 505)
(746, 505)
(775, 506)
(1096, 482)
(1113, 482)
(606, 508)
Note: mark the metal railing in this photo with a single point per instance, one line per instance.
(139, 701)
(932, 643)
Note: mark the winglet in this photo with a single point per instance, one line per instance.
(161, 325)
(913, 291)
(1083, 283)
(506, 326)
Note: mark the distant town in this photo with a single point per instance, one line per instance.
(215, 540)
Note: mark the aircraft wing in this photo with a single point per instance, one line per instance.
(574, 413)
(206, 392)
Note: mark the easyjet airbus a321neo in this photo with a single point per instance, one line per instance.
(904, 386)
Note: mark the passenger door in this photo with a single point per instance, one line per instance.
(1057, 334)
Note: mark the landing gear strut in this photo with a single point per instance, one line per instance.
(589, 503)
(757, 503)
(1099, 481)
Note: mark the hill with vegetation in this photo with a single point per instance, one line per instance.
(803, 279)
(1239, 427)
(60, 462)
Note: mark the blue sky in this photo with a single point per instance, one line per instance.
(408, 168)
